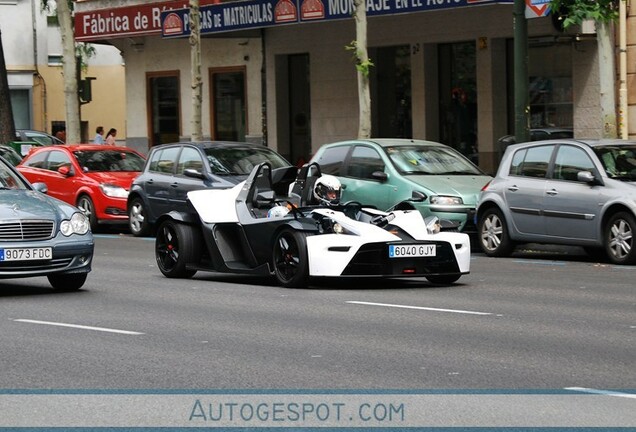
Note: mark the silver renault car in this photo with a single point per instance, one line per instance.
(566, 191)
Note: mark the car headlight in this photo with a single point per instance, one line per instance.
(329, 226)
(433, 225)
(113, 191)
(78, 224)
(446, 200)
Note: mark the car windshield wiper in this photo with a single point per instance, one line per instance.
(227, 173)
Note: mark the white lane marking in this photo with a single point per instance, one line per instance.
(83, 327)
(420, 308)
(602, 392)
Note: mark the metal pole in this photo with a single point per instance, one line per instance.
(522, 110)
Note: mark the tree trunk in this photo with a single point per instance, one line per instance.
(73, 133)
(195, 65)
(7, 125)
(607, 79)
(362, 56)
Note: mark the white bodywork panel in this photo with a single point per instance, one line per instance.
(216, 205)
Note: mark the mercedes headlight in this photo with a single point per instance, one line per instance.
(113, 191)
(446, 200)
(78, 224)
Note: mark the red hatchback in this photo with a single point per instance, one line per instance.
(95, 178)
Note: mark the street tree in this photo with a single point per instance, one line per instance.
(363, 66)
(195, 65)
(7, 126)
(69, 67)
(603, 13)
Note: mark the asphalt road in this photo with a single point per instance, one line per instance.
(538, 320)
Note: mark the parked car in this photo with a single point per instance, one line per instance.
(536, 134)
(12, 156)
(172, 170)
(40, 235)
(383, 172)
(96, 178)
(237, 231)
(39, 137)
(571, 192)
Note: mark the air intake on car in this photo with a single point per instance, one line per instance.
(26, 230)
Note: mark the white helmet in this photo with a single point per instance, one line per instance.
(327, 189)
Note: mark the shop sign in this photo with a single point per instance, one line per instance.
(537, 8)
(139, 20)
(251, 14)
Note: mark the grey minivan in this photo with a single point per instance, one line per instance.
(570, 192)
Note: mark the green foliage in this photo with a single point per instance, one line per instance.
(363, 66)
(577, 11)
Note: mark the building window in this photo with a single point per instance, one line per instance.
(55, 60)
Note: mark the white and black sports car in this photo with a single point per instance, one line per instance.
(234, 231)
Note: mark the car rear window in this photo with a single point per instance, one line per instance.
(241, 160)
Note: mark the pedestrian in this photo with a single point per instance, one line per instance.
(61, 135)
(99, 137)
(110, 136)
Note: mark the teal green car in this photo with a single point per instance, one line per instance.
(437, 179)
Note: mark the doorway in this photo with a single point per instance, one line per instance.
(390, 81)
(228, 103)
(164, 107)
(458, 96)
(299, 109)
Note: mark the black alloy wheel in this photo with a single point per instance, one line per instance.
(291, 263)
(176, 246)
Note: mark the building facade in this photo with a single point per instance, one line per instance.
(32, 47)
(442, 71)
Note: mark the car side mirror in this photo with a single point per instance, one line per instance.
(40, 187)
(588, 177)
(418, 196)
(191, 172)
(379, 175)
(65, 171)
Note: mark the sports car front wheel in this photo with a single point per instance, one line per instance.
(291, 264)
(176, 246)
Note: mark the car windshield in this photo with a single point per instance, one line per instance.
(619, 162)
(430, 160)
(241, 160)
(9, 179)
(109, 160)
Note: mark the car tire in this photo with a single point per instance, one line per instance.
(176, 246)
(85, 204)
(492, 232)
(67, 282)
(137, 219)
(443, 279)
(618, 238)
(290, 259)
